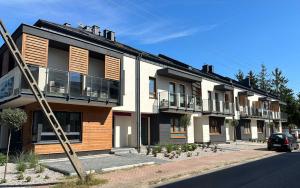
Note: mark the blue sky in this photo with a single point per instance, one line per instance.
(228, 34)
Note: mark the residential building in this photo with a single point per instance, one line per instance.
(108, 95)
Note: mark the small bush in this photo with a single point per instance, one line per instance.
(2, 159)
(3, 181)
(20, 176)
(169, 148)
(32, 159)
(47, 177)
(158, 148)
(91, 181)
(28, 179)
(21, 166)
(39, 169)
(184, 147)
(148, 150)
(154, 152)
(194, 146)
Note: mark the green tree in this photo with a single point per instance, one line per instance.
(263, 79)
(13, 119)
(278, 81)
(253, 79)
(240, 75)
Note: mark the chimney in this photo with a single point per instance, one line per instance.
(67, 24)
(246, 82)
(205, 68)
(88, 28)
(208, 68)
(211, 69)
(110, 35)
(96, 30)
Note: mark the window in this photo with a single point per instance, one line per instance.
(215, 126)
(176, 127)
(172, 94)
(182, 95)
(260, 126)
(237, 104)
(71, 123)
(247, 127)
(152, 87)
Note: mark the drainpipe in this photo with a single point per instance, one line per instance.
(137, 100)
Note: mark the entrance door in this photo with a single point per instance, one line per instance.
(144, 130)
(238, 132)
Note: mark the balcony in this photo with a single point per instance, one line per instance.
(62, 84)
(261, 113)
(179, 103)
(217, 107)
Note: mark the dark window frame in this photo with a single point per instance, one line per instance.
(50, 132)
(215, 127)
(152, 94)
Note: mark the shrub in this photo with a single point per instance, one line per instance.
(158, 148)
(2, 159)
(169, 148)
(194, 146)
(32, 159)
(47, 177)
(20, 176)
(3, 181)
(184, 147)
(39, 169)
(28, 179)
(21, 166)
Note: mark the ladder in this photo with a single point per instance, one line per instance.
(65, 143)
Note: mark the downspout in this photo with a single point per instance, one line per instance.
(137, 100)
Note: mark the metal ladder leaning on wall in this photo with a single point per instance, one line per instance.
(65, 143)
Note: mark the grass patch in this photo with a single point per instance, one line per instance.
(89, 180)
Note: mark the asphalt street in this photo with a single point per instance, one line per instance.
(274, 172)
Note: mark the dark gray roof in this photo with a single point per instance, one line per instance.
(81, 33)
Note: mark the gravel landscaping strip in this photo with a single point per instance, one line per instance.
(36, 178)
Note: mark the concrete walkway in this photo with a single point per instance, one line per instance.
(102, 163)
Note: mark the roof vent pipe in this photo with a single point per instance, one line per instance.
(88, 28)
(67, 24)
(96, 30)
(110, 35)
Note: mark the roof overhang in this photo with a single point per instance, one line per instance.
(177, 74)
(223, 87)
(264, 99)
(282, 103)
(247, 93)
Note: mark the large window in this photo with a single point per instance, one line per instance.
(247, 127)
(260, 126)
(152, 87)
(71, 123)
(176, 127)
(215, 125)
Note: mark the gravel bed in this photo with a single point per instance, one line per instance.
(36, 178)
(199, 152)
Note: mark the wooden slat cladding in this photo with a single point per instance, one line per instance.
(112, 68)
(96, 129)
(35, 50)
(78, 60)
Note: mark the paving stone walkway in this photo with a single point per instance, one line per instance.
(151, 176)
(98, 164)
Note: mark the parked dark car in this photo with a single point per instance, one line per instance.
(282, 141)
